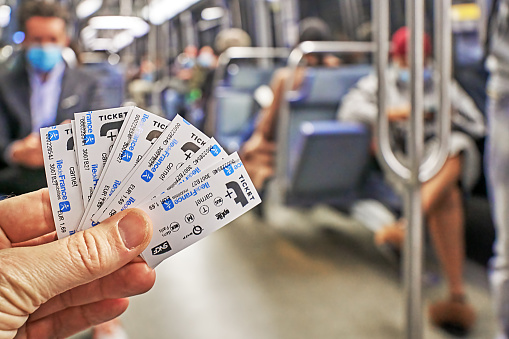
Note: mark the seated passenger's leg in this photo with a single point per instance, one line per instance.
(443, 207)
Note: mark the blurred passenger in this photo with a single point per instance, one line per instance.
(258, 153)
(200, 85)
(231, 37)
(39, 90)
(442, 195)
(140, 87)
(174, 97)
(497, 155)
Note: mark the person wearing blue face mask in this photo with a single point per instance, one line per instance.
(442, 195)
(38, 90)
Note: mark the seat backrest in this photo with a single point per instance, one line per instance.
(327, 86)
(248, 78)
(329, 162)
(321, 93)
(234, 116)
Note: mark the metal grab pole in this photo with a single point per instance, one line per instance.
(417, 171)
(413, 259)
(408, 175)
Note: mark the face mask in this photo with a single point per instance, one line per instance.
(149, 76)
(44, 58)
(404, 75)
(205, 60)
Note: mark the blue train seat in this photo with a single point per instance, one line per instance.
(329, 163)
(327, 160)
(321, 93)
(235, 111)
(247, 77)
(235, 106)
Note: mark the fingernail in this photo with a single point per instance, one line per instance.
(133, 229)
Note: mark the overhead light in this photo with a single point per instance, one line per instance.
(5, 15)
(6, 51)
(121, 40)
(212, 13)
(18, 37)
(161, 10)
(137, 26)
(88, 7)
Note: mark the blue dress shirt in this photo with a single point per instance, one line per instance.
(45, 95)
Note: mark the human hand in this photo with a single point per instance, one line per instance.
(258, 156)
(28, 151)
(399, 113)
(57, 288)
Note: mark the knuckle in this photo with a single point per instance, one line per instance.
(88, 252)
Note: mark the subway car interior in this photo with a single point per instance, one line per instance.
(344, 244)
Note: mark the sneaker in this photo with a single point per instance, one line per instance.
(455, 316)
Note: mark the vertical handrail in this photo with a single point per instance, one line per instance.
(418, 171)
(413, 259)
(385, 154)
(443, 52)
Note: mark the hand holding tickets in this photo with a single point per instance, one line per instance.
(53, 289)
(106, 161)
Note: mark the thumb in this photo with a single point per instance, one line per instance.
(50, 269)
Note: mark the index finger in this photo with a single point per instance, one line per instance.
(26, 216)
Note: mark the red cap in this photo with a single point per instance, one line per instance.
(399, 44)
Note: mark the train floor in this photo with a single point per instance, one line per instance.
(295, 274)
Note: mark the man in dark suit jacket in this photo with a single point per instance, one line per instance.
(38, 89)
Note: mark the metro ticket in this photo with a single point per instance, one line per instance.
(197, 208)
(178, 143)
(137, 135)
(63, 179)
(96, 133)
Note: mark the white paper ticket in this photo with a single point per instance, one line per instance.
(178, 143)
(208, 155)
(96, 132)
(138, 133)
(75, 141)
(62, 176)
(195, 209)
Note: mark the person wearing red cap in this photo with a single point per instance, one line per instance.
(441, 195)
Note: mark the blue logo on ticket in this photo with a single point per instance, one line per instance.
(64, 206)
(89, 139)
(215, 150)
(127, 156)
(147, 176)
(53, 135)
(167, 204)
(228, 170)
